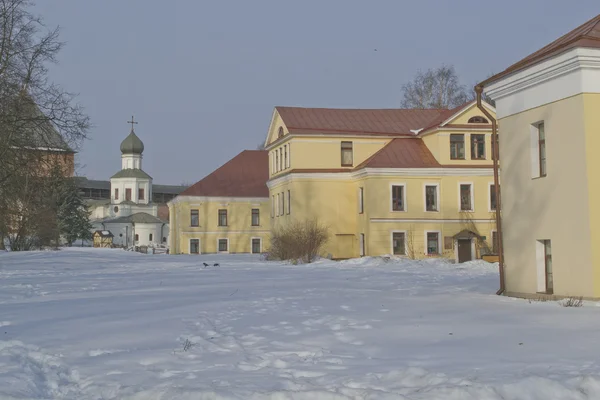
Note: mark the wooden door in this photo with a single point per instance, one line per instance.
(464, 250)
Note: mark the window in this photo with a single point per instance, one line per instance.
(150, 237)
(282, 198)
(276, 160)
(223, 245)
(255, 217)
(466, 201)
(117, 194)
(194, 246)
(433, 245)
(289, 203)
(137, 237)
(140, 194)
(457, 147)
(164, 239)
(280, 132)
(362, 244)
(478, 120)
(347, 158)
(548, 266)
(222, 217)
(492, 197)
(542, 148)
(398, 198)
(398, 243)
(289, 155)
(477, 147)
(128, 194)
(277, 210)
(431, 200)
(272, 206)
(361, 194)
(256, 246)
(280, 159)
(494, 242)
(285, 162)
(194, 218)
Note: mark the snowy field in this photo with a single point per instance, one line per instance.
(109, 324)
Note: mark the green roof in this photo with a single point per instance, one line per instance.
(137, 218)
(132, 144)
(131, 173)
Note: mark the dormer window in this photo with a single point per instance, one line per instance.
(478, 120)
(280, 133)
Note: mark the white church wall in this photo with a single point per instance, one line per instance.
(143, 232)
(130, 183)
(131, 161)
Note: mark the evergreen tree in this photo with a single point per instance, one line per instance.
(72, 213)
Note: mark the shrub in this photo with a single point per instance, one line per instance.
(299, 241)
(573, 302)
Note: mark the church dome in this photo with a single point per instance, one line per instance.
(132, 144)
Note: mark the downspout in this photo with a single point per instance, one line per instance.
(495, 155)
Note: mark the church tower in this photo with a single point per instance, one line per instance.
(131, 185)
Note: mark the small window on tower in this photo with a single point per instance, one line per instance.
(141, 194)
(117, 194)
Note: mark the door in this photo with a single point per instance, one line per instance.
(464, 250)
(362, 244)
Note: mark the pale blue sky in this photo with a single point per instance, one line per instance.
(202, 76)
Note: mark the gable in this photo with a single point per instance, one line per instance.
(463, 117)
(274, 128)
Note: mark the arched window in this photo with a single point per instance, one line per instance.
(280, 133)
(137, 237)
(478, 120)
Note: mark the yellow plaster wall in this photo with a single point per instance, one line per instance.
(473, 111)
(239, 230)
(449, 220)
(332, 202)
(591, 106)
(556, 207)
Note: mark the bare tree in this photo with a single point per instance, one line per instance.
(434, 88)
(39, 121)
(36, 115)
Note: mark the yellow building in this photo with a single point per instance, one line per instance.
(226, 212)
(548, 106)
(393, 181)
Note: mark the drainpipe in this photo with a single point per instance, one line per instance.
(479, 91)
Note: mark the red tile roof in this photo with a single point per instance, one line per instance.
(245, 175)
(586, 35)
(402, 153)
(332, 121)
(444, 116)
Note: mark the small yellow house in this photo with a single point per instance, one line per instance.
(226, 212)
(394, 181)
(102, 239)
(548, 106)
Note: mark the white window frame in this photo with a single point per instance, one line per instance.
(437, 192)
(534, 148)
(440, 249)
(361, 199)
(251, 240)
(353, 163)
(223, 252)
(403, 184)
(490, 188)
(199, 246)
(540, 261)
(392, 241)
(492, 238)
(472, 197)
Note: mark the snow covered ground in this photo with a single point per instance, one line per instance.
(110, 324)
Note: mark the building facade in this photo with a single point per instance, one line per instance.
(226, 212)
(130, 214)
(414, 183)
(547, 106)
